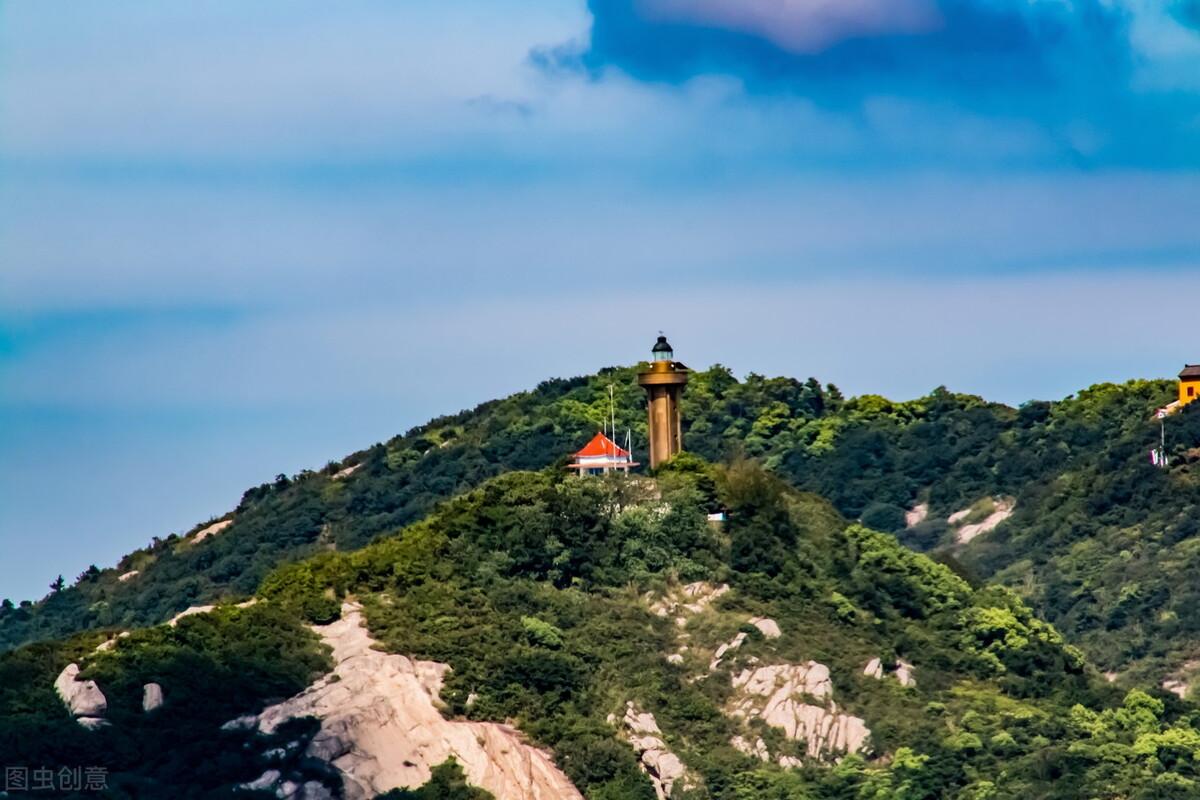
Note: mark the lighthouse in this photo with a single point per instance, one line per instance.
(664, 383)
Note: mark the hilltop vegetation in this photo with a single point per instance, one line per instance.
(1100, 542)
(539, 591)
(391, 485)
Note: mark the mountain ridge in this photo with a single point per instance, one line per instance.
(874, 458)
(790, 652)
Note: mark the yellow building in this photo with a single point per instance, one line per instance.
(1189, 384)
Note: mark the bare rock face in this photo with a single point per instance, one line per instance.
(83, 699)
(128, 576)
(664, 768)
(381, 728)
(916, 515)
(342, 474)
(1002, 510)
(780, 695)
(874, 669)
(211, 530)
(173, 621)
(152, 697)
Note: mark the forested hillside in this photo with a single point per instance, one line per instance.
(575, 609)
(1099, 542)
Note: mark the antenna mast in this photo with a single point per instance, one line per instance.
(612, 410)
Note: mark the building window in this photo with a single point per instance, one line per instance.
(1191, 391)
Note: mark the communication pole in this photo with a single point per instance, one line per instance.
(1161, 461)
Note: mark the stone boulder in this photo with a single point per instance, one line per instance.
(905, 673)
(769, 628)
(152, 697)
(83, 699)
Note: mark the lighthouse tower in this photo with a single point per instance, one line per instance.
(664, 383)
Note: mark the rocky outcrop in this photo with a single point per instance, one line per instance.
(83, 699)
(109, 644)
(959, 516)
(904, 672)
(756, 749)
(687, 600)
(769, 628)
(152, 697)
(1179, 682)
(173, 621)
(273, 781)
(128, 576)
(916, 515)
(211, 530)
(346, 472)
(797, 699)
(681, 603)
(733, 644)
(381, 727)
(1003, 509)
(663, 767)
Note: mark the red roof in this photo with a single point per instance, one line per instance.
(601, 445)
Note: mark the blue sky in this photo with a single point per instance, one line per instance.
(238, 239)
